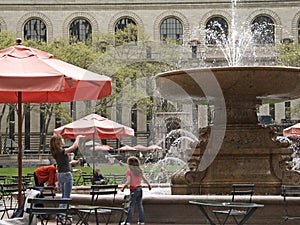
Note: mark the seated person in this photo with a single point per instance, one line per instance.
(98, 178)
(161, 176)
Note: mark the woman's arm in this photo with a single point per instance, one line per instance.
(74, 146)
(146, 181)
(126, 183)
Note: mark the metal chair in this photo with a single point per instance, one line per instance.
(240, 192)
(124, 209)
(287, 192)
(84, 211)
(8, 199)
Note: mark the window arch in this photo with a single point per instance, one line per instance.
(263, 30)
(216, 31)
(129, 26)
(35, 29)
(171, 28)
(123, 23)
(80, 29)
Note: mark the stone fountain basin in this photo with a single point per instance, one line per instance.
(260, 82)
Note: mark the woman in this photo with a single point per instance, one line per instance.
(134, 177)
(65, 178)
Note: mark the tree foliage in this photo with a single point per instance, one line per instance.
(127, 56)
(289, 55)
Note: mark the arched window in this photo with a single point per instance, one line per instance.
(130, 33)
(171, 28)
(80, 29)
(263, 30)
(35, 29)
(123, 23)
(216, 31)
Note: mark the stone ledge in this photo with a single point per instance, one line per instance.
(175, 209)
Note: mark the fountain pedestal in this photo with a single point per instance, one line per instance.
(247, 153)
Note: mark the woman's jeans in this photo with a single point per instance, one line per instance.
(65, 181)
(136, 198)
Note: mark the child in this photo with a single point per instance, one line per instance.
(134, 177)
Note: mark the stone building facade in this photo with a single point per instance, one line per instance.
(186, 22)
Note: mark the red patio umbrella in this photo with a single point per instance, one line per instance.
(102, 148)
(127, 148)
(141, 147)
(292, 131)
(94, 127)
(28, 75)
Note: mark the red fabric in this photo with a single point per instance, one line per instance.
(47, 174)
(135, 181)
(292, 131)
(42, 78)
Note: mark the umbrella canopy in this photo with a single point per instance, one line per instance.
(102, 148)
(154, 147)
(292, 131)
(28, 75)
(94, 126)
(42, 78)
(141, 147)
(127, 148)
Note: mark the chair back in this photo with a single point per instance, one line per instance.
(125, 205)
(105, 189)
(290, 191)
(48, 191)
(48, 206)
(242, 192)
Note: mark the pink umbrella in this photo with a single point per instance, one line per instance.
(126, 148)
(154, 147)
(30, 75)
(94, 127)
(292, 131)
(102, 148)
(141, 147)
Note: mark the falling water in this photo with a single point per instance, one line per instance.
(242, 45)
(238, 42)
(169, 164)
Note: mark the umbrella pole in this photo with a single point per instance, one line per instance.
(20, 148)
(94, 153)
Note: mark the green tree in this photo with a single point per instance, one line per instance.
(289, 55)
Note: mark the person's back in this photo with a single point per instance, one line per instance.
(45, 174)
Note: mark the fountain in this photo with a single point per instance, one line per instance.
(235, 149)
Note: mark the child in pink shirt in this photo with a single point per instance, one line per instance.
(134, 177)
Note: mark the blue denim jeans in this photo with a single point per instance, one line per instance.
(136, 199)
(65, 181)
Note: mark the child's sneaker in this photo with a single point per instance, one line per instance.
(125, 223)
(140, 223)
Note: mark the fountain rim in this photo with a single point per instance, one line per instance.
(228, 68)
(261, 82)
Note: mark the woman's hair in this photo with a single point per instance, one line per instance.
(55, 145)
(134, 165)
